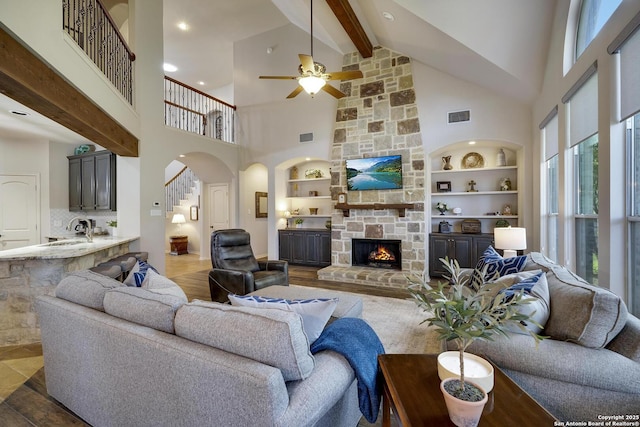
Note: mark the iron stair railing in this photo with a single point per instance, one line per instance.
(88, 23)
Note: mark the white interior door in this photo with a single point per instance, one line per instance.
(19, 217)
(218, 207)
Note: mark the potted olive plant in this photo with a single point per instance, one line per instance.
(463, 313)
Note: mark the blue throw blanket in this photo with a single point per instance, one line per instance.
(359, 344)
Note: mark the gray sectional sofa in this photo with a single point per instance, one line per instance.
(590, 365)
(120, 356)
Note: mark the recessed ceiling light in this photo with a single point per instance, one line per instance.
(472, 143)
(201, 83)
(169, 68)
(182, 155)
(183, 26)
(19, 113)
(388, 16)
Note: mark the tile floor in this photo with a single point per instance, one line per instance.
(17, 364)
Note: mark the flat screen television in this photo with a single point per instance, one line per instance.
(374, 173)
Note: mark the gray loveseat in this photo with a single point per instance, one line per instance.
(120, 356)
(590, 366)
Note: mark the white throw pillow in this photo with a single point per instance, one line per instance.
(315, 312)
(158, 284)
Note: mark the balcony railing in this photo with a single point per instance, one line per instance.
(191, 110)
(93, 29)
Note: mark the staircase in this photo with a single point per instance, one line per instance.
(179, 188)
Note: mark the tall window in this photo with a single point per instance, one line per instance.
(593, 15)
(585, 155)
(633, 191)
(583, 140)
(627, 44)
(549, 128)
(552, 208)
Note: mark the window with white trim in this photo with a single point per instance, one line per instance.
(551, 245)
(585, 167)
(550, 195)
(582, 103)
(627, 44)
(633, 218)
(593, 15)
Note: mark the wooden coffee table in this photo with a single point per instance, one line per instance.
(412, 390)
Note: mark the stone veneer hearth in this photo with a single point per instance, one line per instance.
(378, 117)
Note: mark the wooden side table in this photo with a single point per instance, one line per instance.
(412, 391)
(179, 245)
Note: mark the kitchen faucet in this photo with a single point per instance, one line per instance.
(88, 231)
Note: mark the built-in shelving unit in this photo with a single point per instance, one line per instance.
(477, 191)
(304, 194)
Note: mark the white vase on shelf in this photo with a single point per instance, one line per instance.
(501, 159)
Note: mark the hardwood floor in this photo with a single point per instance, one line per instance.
(24, 401)
(192, 276)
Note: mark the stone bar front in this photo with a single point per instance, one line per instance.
(28, 272)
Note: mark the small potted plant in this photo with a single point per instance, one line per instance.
(298, 222)
(463, 314)
(114, 227)
(442, 207)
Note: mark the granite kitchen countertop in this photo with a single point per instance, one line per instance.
(66, 248)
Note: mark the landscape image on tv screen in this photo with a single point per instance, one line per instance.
(374, 173)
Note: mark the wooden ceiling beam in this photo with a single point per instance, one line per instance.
(25, 78)
(349, 21)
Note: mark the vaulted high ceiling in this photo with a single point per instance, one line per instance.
(498, 44)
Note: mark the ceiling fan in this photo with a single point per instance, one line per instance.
(313, 76)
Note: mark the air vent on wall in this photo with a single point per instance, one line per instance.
(459, 116)
(306, 137)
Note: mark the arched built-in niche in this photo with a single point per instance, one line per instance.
(487, 199)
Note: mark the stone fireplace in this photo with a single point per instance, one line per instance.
(376, 253)
(378, 117)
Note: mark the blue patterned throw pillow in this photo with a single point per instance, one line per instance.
(525, 285)
(138, 273)
(536, 288)
(496, 265)
(315, 312)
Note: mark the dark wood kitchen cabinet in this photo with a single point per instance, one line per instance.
(92, 182)
(465, 248)
(305, 246)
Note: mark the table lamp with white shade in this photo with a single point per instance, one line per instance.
(510, 239)
(178, 219)
(179, 244)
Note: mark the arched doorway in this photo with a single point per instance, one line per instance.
(213, 184)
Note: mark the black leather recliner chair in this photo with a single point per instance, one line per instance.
(235, 268)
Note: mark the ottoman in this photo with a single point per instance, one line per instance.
(348, 305)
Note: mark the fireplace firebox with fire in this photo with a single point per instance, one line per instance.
(376, 253)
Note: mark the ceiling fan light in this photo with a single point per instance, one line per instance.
(312, 84)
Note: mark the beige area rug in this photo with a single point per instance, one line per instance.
(397, 323)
